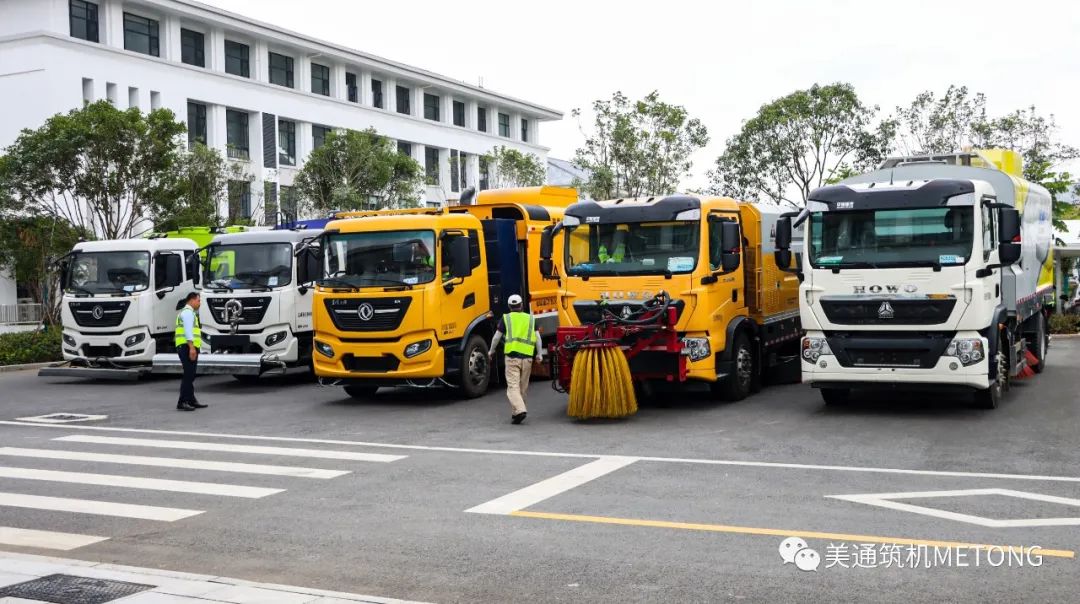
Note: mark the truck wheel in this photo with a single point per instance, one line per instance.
(991, 397)
(1039, 345)
(739, 384)
(361, 393)
(834, 397)
(475, 369)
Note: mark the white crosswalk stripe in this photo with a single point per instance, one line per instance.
(100, 508)
(172, 462)
(255, 449)
(45, 539)
(134, 482)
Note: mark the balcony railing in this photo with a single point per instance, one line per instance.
(241, 154)
(20, 313)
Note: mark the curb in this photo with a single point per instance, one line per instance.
(1067, 336)
(27, 366)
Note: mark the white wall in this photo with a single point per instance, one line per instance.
(7, 288)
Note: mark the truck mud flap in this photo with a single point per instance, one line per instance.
(219, 364)
(129, 374)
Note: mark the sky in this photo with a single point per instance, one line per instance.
(721, 60)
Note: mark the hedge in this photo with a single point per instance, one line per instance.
(1067, 323)
(30, 347)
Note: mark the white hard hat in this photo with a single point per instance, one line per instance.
(514, 300)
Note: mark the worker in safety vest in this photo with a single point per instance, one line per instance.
(618, 241)
(522, 346)
(188, 340)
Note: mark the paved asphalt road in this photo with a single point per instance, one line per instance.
(686, 502)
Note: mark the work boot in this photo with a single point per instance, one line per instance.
(518, 418)
(184, 406)
(197, 405)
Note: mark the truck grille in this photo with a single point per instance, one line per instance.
(370, 364)
(889, 349)
(367, 314)
(886, 311)
(99, 314)
(98, 352)
(253, 313)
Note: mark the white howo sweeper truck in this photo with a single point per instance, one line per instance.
(119, 304)
(256, 306)
(930, 272)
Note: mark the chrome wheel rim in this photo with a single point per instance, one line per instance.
(744, 366)
(478, 369)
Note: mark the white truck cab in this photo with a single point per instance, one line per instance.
(119, 305)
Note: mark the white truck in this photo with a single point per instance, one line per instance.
(928, 273)
(119, 304)
(256, 306)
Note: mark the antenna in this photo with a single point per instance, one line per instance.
(891, 177)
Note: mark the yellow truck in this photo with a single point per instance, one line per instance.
(411, 297)
(686, 286)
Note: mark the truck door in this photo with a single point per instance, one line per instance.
(466, 299)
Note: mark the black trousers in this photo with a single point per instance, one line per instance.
(187, 383)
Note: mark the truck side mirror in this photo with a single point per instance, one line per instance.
(458, 251)
(1008, 225)
(547, 249)
(783, 258)
(193, 268)
(730, 244)
(783, 234)
(1008, 253)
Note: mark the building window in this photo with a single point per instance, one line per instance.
(196, 124)
(239, 200)
(236, 134)
(485, 174)
(281, 70)
(459, 113)
(237, 59)
(377, 94)
(286, 142)
(318, 136)
(192, 48)
(431, 165)
(404, 100)
(320, 79)
(431, 107)
(404, 148)
(504, 125)
(141, 35)
(524, 131)
(288, 204)
(481, 119)
(351, 88)
(458, 161)
(84, 20)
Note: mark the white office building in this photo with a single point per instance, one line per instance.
(261, 94)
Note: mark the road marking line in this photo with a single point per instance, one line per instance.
(45, 539)
(172, 462)
(133, 482)
(746, 530)
(885, 500)
(99, 508)
(546, 489)
(202, 446)
(719, 462)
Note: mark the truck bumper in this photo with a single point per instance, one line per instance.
(286, 350)
(947, 372)
(382, 361)
(89, 348)
(274, 359)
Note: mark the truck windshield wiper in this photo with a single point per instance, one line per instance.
(391, 281)
(219, 284)
(79, 288)
(337, 283)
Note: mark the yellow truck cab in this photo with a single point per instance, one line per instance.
(411, 297)
(737, 311)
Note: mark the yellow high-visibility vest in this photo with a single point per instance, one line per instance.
(196, 330)
(520, 333)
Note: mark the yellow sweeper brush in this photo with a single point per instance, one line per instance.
(601, 384)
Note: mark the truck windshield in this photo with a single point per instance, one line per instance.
(635, 248)
(249, 265)
(108, 272)
(381, 258)
(885, 238)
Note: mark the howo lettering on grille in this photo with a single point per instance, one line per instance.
(885, 289)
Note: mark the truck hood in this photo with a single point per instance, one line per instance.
(897, 299)
(625, 294)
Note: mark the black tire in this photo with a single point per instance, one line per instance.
(361, 393)
(246, 379)
(834, 397)
(475, 373)
(740, 383)
(990, 398)
(1040, 343)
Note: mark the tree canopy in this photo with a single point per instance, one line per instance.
(512, 168)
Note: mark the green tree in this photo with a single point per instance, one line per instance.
(638, 147)
(508, 168)
(97, 167)
(355, 170)
(200, 187)
(28, 246)
(800, 142)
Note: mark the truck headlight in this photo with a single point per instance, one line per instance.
(70, 341)
(324, 349)
(131, 340)
(814, 348)
(969, 350)
(417, 348)
(696, 348)
(274, 338)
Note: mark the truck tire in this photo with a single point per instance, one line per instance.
(475, 375)
(1039, 343)
(361, 393)
(990, 398)
(834, 397)
(739, 384)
